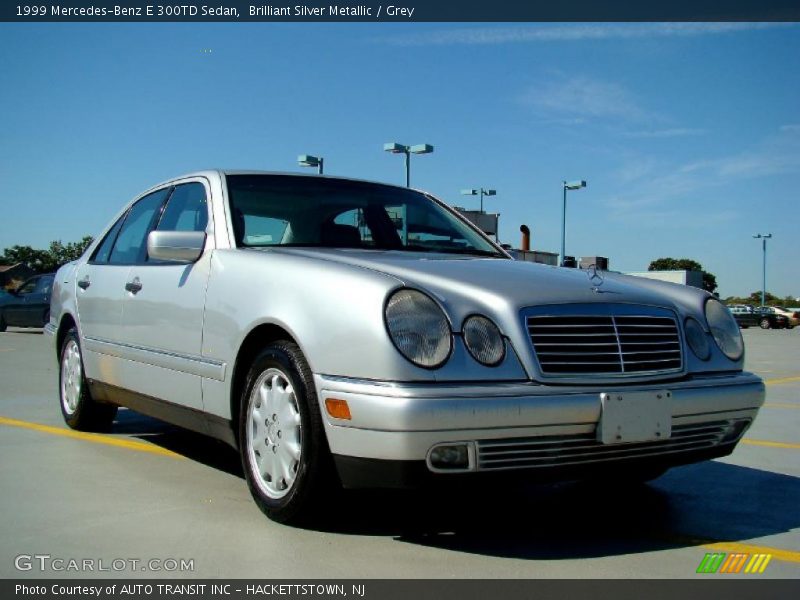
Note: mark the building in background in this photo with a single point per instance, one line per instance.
(486, 222)
(692, 278)
(537, 256)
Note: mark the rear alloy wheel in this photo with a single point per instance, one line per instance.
(281, 436)
(764, 324)
(79, 409)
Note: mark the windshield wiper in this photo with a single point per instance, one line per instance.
(468, 251)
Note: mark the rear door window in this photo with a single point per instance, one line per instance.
(104, 249)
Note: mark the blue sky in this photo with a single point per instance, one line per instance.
(688, 134)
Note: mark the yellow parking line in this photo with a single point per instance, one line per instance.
(91, 437)
(781, 380)
(781, 405)
(771, 444)
(6, 349)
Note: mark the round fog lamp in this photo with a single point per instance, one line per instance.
(697, 339)
(454, 456)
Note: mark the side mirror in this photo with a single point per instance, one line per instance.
(176, 246)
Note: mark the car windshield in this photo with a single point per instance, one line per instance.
(286, 210)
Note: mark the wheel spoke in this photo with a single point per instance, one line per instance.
(260, 445)
(286, 471)
(292, 448)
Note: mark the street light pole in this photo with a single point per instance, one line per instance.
(763, 238)
(396, 148)
(572, 185)
(306, 160)
(479, 192)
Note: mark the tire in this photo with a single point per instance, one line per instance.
(2, 324)
(79, 409)
(286, 459)
(764, 324)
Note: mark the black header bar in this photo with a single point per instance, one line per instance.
(400, 11)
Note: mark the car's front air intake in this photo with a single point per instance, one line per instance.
(568, 450)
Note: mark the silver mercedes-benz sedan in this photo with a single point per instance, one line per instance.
(344, 332)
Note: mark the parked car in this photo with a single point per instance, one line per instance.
(745, 315)
(768, 318)
(344, 332)
(28, 305)
(792, 317)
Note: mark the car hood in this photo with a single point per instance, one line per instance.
(492, 280)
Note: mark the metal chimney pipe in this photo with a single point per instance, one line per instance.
(526, 238)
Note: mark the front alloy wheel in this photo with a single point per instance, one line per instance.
(282, 440)
(274, 434)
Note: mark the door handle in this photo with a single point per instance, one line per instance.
(134, 287)
(84, 283)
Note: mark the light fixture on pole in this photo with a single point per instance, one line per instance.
(568, 185)
(396, 148)
(479, 192)
(763, 237)
(306, 160)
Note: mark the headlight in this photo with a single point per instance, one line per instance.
(418, 328)
(484, 341)
(697, 339)
(724, 329)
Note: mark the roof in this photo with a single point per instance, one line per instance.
(210, 173)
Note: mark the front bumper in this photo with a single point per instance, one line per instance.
(524, 426)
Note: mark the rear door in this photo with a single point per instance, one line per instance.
(101, 288)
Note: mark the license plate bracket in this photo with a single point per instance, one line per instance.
(627, 417)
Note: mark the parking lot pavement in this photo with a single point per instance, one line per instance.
(149, 491)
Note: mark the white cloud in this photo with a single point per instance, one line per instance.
(790, 128)
(666, 133)
(649, 185)
(569, 33)
(582, 98)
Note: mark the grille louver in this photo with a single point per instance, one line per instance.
(553, 451)
(585, 345)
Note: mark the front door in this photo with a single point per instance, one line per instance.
(162, 322)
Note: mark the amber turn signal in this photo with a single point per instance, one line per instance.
(338, 409)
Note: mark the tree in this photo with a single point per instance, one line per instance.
(45, 261)
(685, 264)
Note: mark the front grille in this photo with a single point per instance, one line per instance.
(557, 451)
(568, 345)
